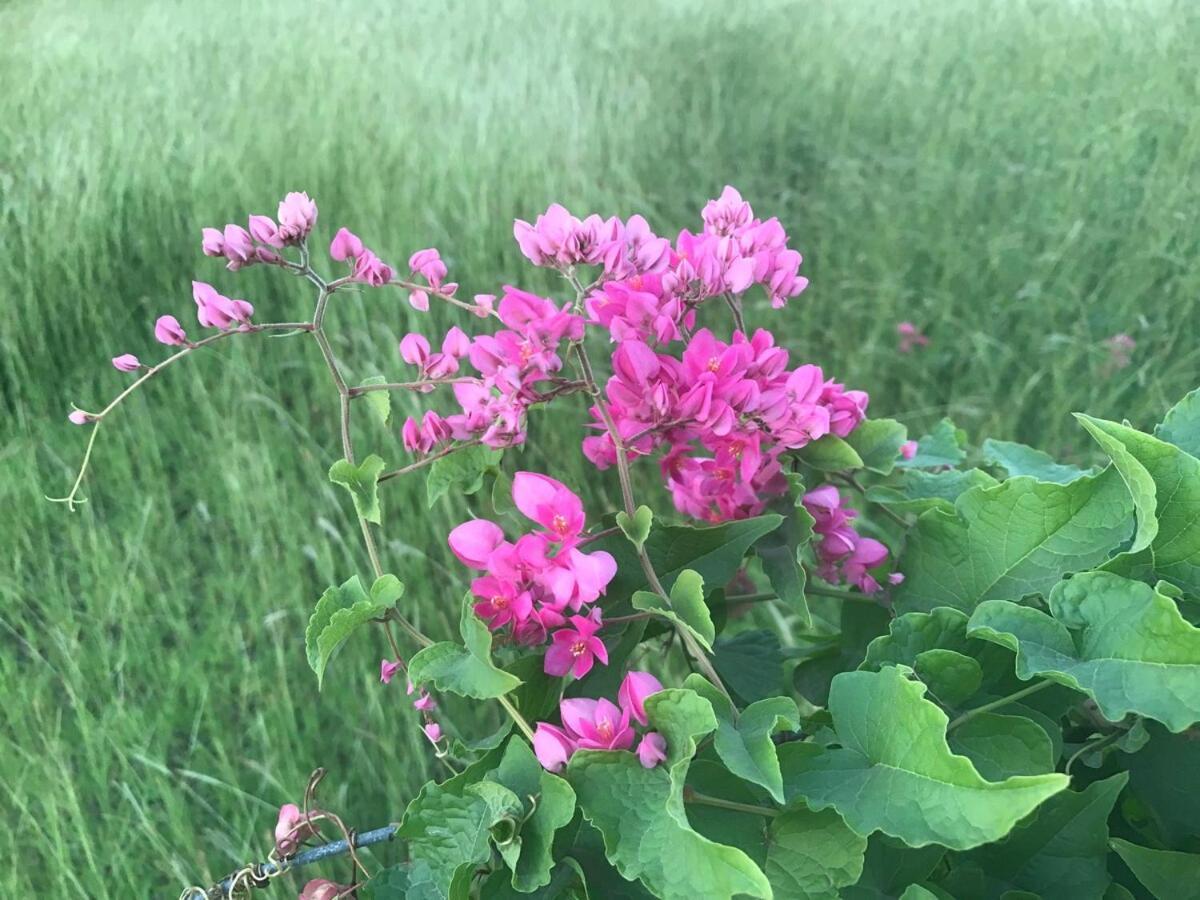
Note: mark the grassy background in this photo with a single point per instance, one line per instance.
(1018, 177)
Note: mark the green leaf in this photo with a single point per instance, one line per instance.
(812, 854)
(362, 481)
(951, 676)
(448, 830)
(918, 491)
(637, 528)
(941, 447)
(750, 664)
(746, 831)
(539, 694)
(1133, 651)
(860, 624)
(1017, 460)
(1167, 874)
(1176, 476)
(549, 805)
(1137, 479)
(340, 611)
(687, 607)
(1181, 426)
(1000, 746)
(830, 454)
(779, 551)
(378, 402)
(895, 773)
(390, 884)
(744, 741)
(715, 553)
(467, 671)
(1020, 537)
(650, 838)
(890, 866)
(877, 443)
(461, 471)
(1164, 778)
(567, 882)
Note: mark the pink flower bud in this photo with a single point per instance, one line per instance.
(324, 889)
(167, 330)
(297, 215)
(633, 692)
(552, 746)
(345, 245)
(485, 305)
(265, 231)
(212, 242)
(425, 703)
(388, 670)
(239, 246)
(419, 300)
(79, 417)
(652, 749)
(410, 434)
(456, 343)
(433, 731)
(126, 362)
(291, 828)
(414, 349)
(908, 449)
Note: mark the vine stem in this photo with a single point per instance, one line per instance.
(996, 704)
(516, 716)
(427, 461)
(693, 796)
(1095, 745)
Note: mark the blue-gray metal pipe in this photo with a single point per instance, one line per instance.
(304, 858)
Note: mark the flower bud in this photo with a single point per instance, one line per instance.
(212, 242)
(239, 246)
(388, 669)
(126, 362)
(265, 231)
(167, 330)
(414, 349)
(324, 889)
(419, 300)
(633, 692)
(652, 749)
(345, 245)
(433, 731)
(297, 215)
(79, 417)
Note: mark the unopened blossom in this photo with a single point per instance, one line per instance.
(126, 362)
(425, 702)
(414, 349)
(428, 264)
(419, 300)
(291, 828)
(239, 247)
(652, 749)
(324, 889)
(212, 242)
(297, 215)
(575, 649)
(79, 417)
(264, 230)
(370, 269)
(213, 310)
(633, 692)
(346, 245)
(388, 669)
(908, 449)
(167, 330)
(910, 337)
(552, 746)
(433, 731)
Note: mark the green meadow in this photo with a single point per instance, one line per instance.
(1020, 178)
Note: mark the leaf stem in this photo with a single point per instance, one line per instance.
(516, 716)
(693, 796)
(996, 704)
(428, 460)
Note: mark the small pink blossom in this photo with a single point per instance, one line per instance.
(550, 503)
(414, 349)
(324, 889)
(345, 245)
(652, 749)
(167, 330)
(297, 215)
(433, 731)
(419, 300)
(264, 230)
(388, 669)
(596, 724)
(425, 702)
(475, 541)
(428, 264)
(79, 417)
(633, 692)
(239, 247)
(212, 242)
(908, 449)
(910, 337)
(291, 828)
(575, 649)
(552, 746)
(126, 362)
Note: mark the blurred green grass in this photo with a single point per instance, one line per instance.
(1019, 178)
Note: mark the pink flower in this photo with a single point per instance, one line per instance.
(633, 692)
(370, 269)
(550, 503)
(414, 349)
(239, 247)
(910, 337)
(297, 215)
(419, 300)
(428, 263)
(500, 601)
(167, 330)
(291, 828)
(475, 541)
(264, 230)
(79, 417)
(345, 245)
(425, 702)
(216, 311)
(908, 449)
(552, 746)
(212, 242)
(433, 731)
(652, 749)
(388, 670)
(126, 362)
(596, 724)
(575, 649)
(324, 889)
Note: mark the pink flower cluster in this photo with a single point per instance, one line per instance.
(510, 363)
(738, 402)
(733, 251)
(843, 555)
(365, 266)
(910, 337)
(543, 584)
(602, 725)
(241, 247)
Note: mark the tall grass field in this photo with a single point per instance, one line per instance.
(1020, 178)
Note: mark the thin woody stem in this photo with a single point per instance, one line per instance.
(692, 796)
(428, 460)
(407, 385)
